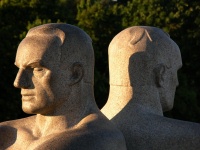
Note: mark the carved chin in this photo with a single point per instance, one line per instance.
(28, 103)
(167, 106)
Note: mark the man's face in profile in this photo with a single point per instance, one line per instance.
(40, 78)
(171, 81)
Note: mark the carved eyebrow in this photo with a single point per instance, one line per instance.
(36, 63)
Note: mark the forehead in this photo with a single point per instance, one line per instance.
(33, 49)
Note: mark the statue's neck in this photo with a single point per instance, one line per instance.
(80, 104)
(145, 98)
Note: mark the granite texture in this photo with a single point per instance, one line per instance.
(56, 68)
(143, 65)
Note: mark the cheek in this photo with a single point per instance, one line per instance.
(42, 86)
(59, 86)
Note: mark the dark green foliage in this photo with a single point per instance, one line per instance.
(102, 20)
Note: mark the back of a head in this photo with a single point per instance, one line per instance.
(75, 45)
(135, 52)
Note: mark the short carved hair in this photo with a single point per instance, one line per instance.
(135, 51)
(75, 45)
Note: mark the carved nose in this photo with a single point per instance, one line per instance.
(21, 80)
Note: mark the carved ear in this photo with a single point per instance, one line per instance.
(160, 72)
(77, 73)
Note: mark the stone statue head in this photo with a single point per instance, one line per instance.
(52, 60)
(145, 56)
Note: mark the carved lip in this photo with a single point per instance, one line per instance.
(27, 97)
(27, 93)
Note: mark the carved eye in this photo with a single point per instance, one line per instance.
(38, 69)
(38, 72)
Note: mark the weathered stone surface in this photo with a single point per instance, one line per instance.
(56, 65)
(143, 65)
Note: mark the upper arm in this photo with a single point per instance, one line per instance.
(8, 136)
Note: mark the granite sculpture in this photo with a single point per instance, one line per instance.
(56, 64)
(143, 65)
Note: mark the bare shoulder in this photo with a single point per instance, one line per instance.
(18, 122)
(99, 133)
(14, 125)
(8, 134)
(170, 133)
(10, 129)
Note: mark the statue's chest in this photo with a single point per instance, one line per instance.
(24, 140)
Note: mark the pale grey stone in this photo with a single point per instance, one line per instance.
(56, 68)
(143, 65)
